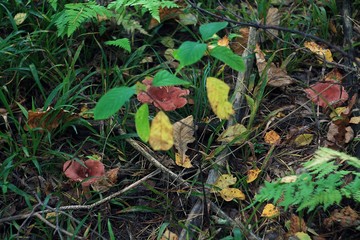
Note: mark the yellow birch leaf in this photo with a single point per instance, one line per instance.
(271, 137)
(252, 175)
(270, 211)
(303, 139)
(355, 120)
(223, 181)
(228, 194)
(161, 132)
(318, 50)
(182, 160)
(217, 93)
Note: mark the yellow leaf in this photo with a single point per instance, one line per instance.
(19, 18)
(270, 211)
(228, 194)
(252, 175)
(223, 181)
(289, 179)
(224, 41)
(168, 235)
(272, 137)
(237, 131)
(161, 132)
(303, 139)
(355, 120)
(217, 92)
(318, 50)
(338, 112)
(182, 161)
(302, 236)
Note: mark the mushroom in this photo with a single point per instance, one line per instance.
(87, 175)
(327, 93)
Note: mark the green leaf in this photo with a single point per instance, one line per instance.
(225, 55)
(142, 122)
(112, 101)
(208, 30)
(165, 78)
(123, 43)
(190, 52)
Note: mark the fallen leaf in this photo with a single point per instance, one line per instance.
(272, 19)
(319, 51)
(228, 194)
(327, 93)
(165, 14)
(161, 132)
(297, 224)
(270, 211)
(183, 132)
(302, 236)
(289, 179)
(355, 120)
(252, 175)
(223, 181)
(239, 44)
(107, 181)
(338, 112)
(218, 92)
(183, 160)
(334, 76)
(237, 133)
(345, 217)
(19, 18)
(339, 134)
(223, 41)
(168, 235)
(272, 137)
(276, 77)
(303, 139)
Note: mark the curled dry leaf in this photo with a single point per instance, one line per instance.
(252, 175)
(164, 98)
(327, 93)
(223, 181)
(319, 51)
(88, 174)
(272, 137)
(183, 132)
(161, 132)
(107, 181)
(277, 77)
(270, 211)
(228, 194)
(239, 44)
(237, 133)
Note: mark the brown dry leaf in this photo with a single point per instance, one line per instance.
(346, 217)
(165, 14)
(183, 132)
(228, 194)
(168, 235)
(355, 120)
(223, 181)
(237, 131)
(334, 76)
(339, 134)
(303, 139)
(272, 137)
(270, 211)
(319, 51)
(277, 77)
(183, 160)
(297, 224)
(106, 182)
(239, 44)
(85, 113)
(50, 119)
(252, 175)
(224, 42)
(272, 19)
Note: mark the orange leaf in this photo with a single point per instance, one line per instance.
(272, 137)
(252, 175)
(270, 211)
(223, 41)
(318, 50)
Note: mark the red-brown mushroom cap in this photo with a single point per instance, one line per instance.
(327, 93)
(91, 171)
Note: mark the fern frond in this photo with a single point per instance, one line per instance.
(75, 14)
(123, 43)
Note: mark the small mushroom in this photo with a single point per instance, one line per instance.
(164, 98)
(92, 171)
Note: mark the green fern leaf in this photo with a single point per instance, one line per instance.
(123, 43)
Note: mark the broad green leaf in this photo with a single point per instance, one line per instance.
(123, 43)
(189, 53)
(142, 122)
(165, 78)
(208, 30)
(225, 55)
(112, 101)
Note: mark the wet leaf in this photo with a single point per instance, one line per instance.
(223, 181)
(236, 131)
(270, 211)
(218, 92)
(272, 137)
(252, 175)
(228, 194)
(183, 132)
(161, 132)
(303, 139)
(318, 50)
